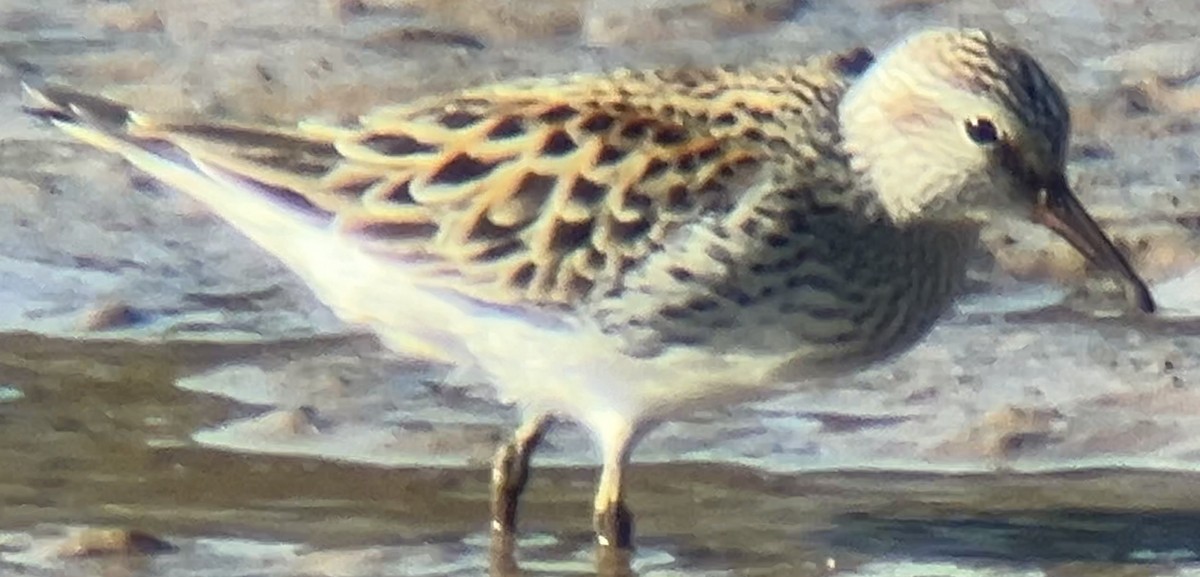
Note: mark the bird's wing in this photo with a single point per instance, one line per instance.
(519, 193)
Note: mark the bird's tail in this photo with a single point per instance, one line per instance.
(266, 183)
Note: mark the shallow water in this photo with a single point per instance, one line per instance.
(159, 372)
(96, 433)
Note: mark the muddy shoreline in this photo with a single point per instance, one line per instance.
(159, 372)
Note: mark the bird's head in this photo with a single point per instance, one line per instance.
(955, 125)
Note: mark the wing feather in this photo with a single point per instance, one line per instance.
(541, 191)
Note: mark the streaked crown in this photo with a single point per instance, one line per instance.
(950, 123)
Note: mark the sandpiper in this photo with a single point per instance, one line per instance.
(622, 249)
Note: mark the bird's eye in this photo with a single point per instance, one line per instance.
(982, 131)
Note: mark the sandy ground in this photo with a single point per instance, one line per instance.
(158, 371)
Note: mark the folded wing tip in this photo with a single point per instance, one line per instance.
(36, 102)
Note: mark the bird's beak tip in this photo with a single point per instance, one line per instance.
(1059, 210)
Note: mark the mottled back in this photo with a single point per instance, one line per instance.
(536, 192)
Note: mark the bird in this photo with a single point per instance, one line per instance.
(624, 248)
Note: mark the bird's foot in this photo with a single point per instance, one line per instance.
(614, 526)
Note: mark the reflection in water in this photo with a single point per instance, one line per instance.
(502, 559)
(100, 436)
(1037, 536)
(612, 562)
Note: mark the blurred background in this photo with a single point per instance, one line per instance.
(173, 402)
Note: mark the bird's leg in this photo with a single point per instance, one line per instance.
(613, 521)
(510, 472)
